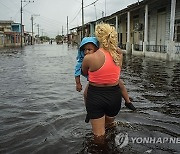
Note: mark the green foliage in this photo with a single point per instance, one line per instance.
(59, 38)
(44, 38)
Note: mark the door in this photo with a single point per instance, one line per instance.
(161, 28)
(136, 37)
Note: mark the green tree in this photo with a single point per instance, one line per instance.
(59, 38)
(44, 38)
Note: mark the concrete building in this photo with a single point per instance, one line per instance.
(148, 28)
(10, 34)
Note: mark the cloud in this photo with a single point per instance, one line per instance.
(53, 13)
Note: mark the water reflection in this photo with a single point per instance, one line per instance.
(42, 113)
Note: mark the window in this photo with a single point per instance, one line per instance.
(178, 34)
(1, 29)
(177, 31)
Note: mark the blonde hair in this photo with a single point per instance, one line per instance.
(107, 37)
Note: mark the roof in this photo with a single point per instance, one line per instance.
(16, 23)
(12, 32)
(6, 21)
(130, 7)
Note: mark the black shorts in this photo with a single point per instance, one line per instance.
(103, 101)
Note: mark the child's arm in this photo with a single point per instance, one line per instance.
(78, 83)
(78, 66)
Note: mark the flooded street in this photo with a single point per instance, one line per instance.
(41, 111)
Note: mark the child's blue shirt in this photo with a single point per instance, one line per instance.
(80, 54)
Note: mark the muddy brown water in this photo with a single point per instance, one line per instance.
(41, 112)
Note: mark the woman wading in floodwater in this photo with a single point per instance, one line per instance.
(103, 69)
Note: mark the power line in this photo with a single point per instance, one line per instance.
(6, 6)
(91, 4)
(45, 18)
(76, 16)
(80, 10)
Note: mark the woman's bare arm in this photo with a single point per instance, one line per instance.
(85, 65)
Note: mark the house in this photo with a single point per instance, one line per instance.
(75, 35)
(148, 28)
(10, 38)
(10, 34)
(1, 39)
(28, 38)
(76, 32)
(5, 26)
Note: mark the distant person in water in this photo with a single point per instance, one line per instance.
(90, 45)
(50, 42)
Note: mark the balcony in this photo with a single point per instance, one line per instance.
(138, 47)
(122, 46)
(177, 50)
(157, 48)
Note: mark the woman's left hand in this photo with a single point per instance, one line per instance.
(118, 50)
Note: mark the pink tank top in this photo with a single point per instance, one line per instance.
(109, 73)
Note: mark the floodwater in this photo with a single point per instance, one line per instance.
(41, 112)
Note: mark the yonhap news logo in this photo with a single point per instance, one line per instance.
(122, 140)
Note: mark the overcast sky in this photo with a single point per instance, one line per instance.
(52, 14)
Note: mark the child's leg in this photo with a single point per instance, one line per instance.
(125, 95)
(124, 91)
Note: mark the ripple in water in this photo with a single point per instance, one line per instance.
(41, 112)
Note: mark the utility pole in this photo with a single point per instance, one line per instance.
(42, 31)
(105, 8)
(21, 24)
(95, 11)
(82, 19)
(102, 14)
(62, 30)
(32, 42)
(38, 30)
(38, 33)
(32, 19)
(67, 29)
(22, 17)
